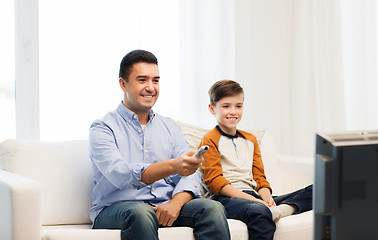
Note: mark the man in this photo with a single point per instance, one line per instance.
(144, 176)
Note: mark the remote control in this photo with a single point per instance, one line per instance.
(201, 151)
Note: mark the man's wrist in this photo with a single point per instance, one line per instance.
(172, 166)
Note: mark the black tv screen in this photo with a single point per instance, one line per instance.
(346, 186)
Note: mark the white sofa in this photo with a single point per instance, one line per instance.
(45, 191)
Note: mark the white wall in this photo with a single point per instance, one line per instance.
(263, 52)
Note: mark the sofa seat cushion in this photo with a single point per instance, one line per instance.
(295, 227)
(83, 232)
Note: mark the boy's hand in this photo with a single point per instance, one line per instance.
(259, 200)
(270, 202)
(186, 165)
(267, 197)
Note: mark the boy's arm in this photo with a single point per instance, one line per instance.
(231, 191)
(258, 168)
(267, 197)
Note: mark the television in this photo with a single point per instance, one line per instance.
(346, 185)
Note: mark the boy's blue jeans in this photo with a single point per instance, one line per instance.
(138, 220)
(257, 216)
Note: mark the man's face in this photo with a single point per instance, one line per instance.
(228, 112)
(142, 88)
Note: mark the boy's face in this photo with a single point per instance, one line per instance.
(228, 112)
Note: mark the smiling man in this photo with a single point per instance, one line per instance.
(144, 174)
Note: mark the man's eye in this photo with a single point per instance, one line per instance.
(142, 80)
(156, 80)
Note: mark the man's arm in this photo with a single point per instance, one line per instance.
(168, 213)
(183, 165)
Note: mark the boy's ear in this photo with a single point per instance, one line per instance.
(211, 108)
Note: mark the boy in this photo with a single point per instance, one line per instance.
(234, 172)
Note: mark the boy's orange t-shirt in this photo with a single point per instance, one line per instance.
(212, 168)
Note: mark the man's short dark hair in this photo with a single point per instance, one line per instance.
(132, 57)
(222, 89)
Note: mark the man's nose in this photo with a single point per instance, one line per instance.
(149, 86)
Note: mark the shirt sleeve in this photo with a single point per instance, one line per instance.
(191, 183)
(258, 168)
(212, 167)
(107, 158)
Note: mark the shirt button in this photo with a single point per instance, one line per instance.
(139, 130)
(134, 116)
(145, 151)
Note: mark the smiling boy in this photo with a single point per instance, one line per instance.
(234, 172)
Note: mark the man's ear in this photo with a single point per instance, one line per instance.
(211, 108)
(122, 84)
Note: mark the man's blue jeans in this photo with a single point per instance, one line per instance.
(257, 216)
(138, 220)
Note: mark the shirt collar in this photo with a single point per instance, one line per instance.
(225, 134)
(127, 114)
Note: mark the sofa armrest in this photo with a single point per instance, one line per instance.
(297, 172)
(20, 207)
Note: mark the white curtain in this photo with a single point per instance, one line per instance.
(359, 38)
(306, 66)
(207, 47)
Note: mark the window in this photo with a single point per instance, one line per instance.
(81, 46)
(7, 96)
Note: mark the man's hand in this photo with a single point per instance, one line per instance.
(186, 165)
(167, 213)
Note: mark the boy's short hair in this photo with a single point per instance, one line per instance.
(222, 89)
(132, 57)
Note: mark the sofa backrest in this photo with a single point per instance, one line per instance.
(193, 136)
(64, 172)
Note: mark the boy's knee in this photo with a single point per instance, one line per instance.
(259, 210)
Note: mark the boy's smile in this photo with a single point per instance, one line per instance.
(228, 112)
